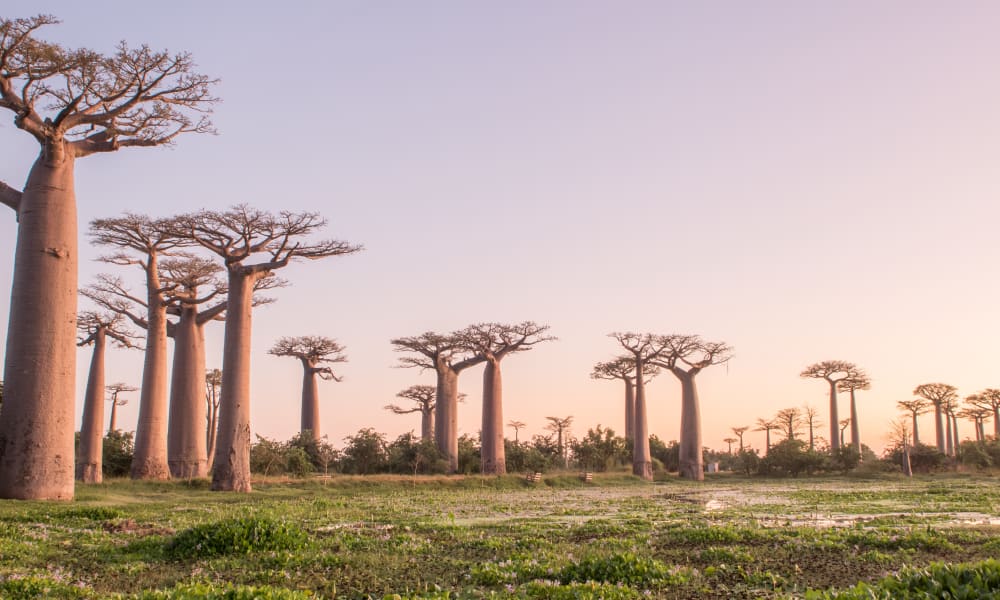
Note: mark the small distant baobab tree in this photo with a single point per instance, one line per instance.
(859, 380)
(623, 368)
(447, 358)
(739, 431)
(767, 426)
(685, 356)
(789, 420)
(213, 385)
(978, 415)
(560, 427)
(316, 353)
(235, 235)
(74, 103)
(423, 397)
(730, 441)
(916, 407)
(950, 408)
(643, 348)
(95, 328)
(844, 424)
(989, 399)
(810, 414)
(938, 394)
(516, 426)
(833, 371)
(494, 342)
(114, 392)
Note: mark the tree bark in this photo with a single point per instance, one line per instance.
(36, 430)
(629, 409)
(834, 418)
(939, 427)
(310, 399)
(691, 461)
(212, 427)
(89, 454)
(812, 436)
(916, 433)
(996, 422)
(113, 423)
(642, 464)
(949, 443)
(954, 427)
(426, 424)
(231, 467)
(187, 453)
(446, 420)
(150, 459)
(493, 455)
(855, 426)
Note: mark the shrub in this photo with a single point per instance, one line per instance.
(297, 462)
(667, 454)
(235, 536)
(365, 452)
(980, 580)
(625, 568)
(39, 588)
(410, 454)
(599, 450)
(791, 457)
(118, 449)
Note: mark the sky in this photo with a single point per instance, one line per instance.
(805, 181)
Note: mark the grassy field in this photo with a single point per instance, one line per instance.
(472, 537)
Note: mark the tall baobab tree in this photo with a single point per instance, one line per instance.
(729, 441)
(833, 371)
(114, 391)
(213, 385)
(685, 356)
(423, 397)
(739, 431)
(516, 426)
(950, 408)
(316, 353)
(643, 348)
(789, 420)
(859, 380)
(142, 241)
(810, 414)
(494, 342)
(767, 426)
(916, 407)
(95, 328)
(447, 358)
(74, 103)
(938, 394)
(988, 399)
(978, 415)
(560, 427)
(235, 235)
(623, 368)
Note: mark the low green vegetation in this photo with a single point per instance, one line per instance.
(436, 537)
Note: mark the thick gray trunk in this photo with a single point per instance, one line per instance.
(768, 442)
(642, 464)
(834, 418)
(812, 436)
(907, 467)
(916, 431)
(187, 453)
(426, 425)
(939, 426)
(691, 461)
(996, 422)
(446, 426)
(231, 467)
(629, 409)
(949, 443)
(36, 430)
(855, 426)
(150, 458)
(310, 400)
(954, 428)
(113, 423)
(494, 461)
(88, 457)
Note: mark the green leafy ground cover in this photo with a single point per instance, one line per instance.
(437, 537)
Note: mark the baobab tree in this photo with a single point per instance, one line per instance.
(623, 368)
(316, 353)
(560, 427)
(899, 434)
(766, 425)
(978, 415)
(235, 236)
(844, 424)
(423, 397)
(729, 441)
(494, 342)
(789, 420)
(810, 414)
(950, 408)
(95, 328)
(114, 391)
(685, 356)
(213, 385)
(916, 407)
(859, 380)
(74, 103)
(833, 371)
(938, 394)
(447, 358)
(516, 426)
(643, 348)
(739, 431)
(989, 399)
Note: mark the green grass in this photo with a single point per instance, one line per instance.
(499, 537)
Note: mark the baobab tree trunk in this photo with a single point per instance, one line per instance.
(916, 433)
(939, 427)
(89, 454)
(310, 399)
(954, 428)
(426, 425)
(187, 453)
(36, 430)
(231, 467)
(642, 464)
(834, 418)
(629, 409)
(493, 456)
(949, 443)
(996, 422)
(446, 420)
(691, 461)
(768, 442)
(150, 459)
(855, 427)
(113, 423)
(812, 436)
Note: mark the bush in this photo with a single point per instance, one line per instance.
(980, 580)
(791, 457)
(267, 456)
(600, 450)
(469, 457)
(297, 462)
(118, 449)
(365, 452)
(410, 454)
(244, 535)
(625, 568)
(668, 454)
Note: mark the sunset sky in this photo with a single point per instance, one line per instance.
(805, 181)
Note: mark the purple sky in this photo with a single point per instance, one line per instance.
(805, 181)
